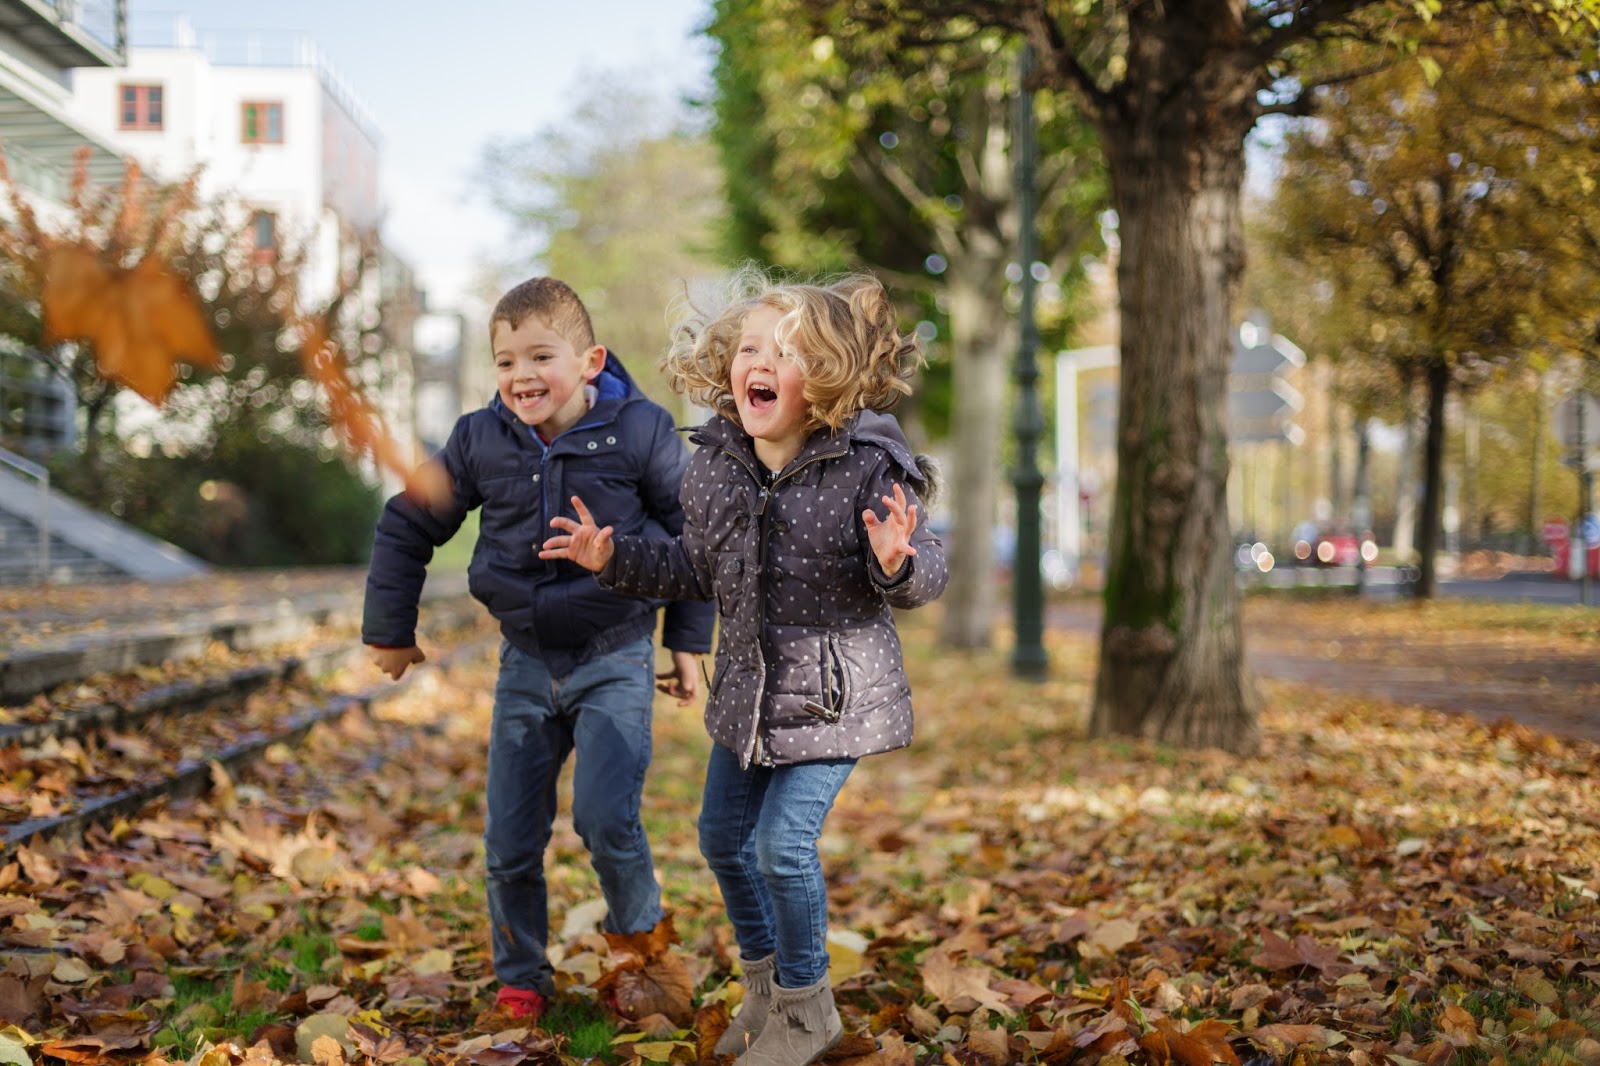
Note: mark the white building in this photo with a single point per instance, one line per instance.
(273, 127)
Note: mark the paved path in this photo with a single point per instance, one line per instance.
(1554, 689)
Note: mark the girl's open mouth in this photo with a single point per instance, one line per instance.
(761, 397)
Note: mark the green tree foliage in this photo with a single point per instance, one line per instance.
(1442, 212)
(621, 201)
(837, 160)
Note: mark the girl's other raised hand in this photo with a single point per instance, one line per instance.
(891, 536)
(584, 543)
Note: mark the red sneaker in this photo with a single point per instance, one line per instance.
(523, 1004)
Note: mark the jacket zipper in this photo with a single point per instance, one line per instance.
(763, 497)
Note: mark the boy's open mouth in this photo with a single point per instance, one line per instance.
(526, 397)
(761, 397)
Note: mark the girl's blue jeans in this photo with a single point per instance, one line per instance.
(758, 832)
(600, 712)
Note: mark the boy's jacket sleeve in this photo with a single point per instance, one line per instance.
(403, 544)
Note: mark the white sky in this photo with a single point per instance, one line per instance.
(443, 80)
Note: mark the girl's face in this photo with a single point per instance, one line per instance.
(768, 390)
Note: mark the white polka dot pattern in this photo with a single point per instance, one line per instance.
(808, 662)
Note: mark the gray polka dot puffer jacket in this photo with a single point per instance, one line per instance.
(808, 662)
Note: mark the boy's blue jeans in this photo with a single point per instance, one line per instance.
(602, 712)
(758, 833)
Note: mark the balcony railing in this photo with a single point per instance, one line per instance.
(71, 33)
(104, 20)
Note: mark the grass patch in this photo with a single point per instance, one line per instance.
(587, 1027)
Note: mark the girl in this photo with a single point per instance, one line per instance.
(782, 527)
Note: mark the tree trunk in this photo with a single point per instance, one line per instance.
(979, 342)
(1428, 524)
(1171, 648)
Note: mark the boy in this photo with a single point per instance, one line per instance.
(576, 662)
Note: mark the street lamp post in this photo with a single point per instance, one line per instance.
(1028, 659)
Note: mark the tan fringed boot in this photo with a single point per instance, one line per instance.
(746, 1026)
(801, 1027)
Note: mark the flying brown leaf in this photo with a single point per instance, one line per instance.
(361, 423)
(141, 321)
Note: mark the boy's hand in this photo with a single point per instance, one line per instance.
(586, 544)
(891, 536)
(395, 661)
(683, 680)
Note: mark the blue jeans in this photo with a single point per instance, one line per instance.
(602, 711)
(758, 832)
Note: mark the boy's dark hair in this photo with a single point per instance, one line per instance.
(551, 300)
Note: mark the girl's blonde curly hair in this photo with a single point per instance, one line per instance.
(843, 334)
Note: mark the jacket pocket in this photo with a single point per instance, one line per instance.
(835, 683)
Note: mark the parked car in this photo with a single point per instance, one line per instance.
(1334, 546)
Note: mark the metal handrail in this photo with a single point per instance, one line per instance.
(32, 469)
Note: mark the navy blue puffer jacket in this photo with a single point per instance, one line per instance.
(626, 461)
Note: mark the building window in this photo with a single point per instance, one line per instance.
(139, 107)
(263, 123)
(264, 236)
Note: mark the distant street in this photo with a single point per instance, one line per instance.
(1553, 687)
(1386, 582)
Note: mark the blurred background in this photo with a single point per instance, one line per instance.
(398, 170)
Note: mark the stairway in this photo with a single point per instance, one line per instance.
(85, 545)
(19, 557)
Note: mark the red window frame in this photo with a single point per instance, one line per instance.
(261, 122)
(140, 107)
(263, 236)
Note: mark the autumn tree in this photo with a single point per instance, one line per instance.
(1428, 203)
(1172, 89)
(621, 200)
(834, 163)
(150, 288)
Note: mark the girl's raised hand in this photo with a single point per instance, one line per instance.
(891, 535)
(585, 543)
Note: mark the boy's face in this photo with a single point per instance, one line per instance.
(768, 387)
(541, 376)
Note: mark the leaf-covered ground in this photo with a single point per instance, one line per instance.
(1381, 883)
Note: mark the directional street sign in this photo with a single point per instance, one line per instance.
(1566, 421)
(1277, 398)
(1261, 404)
(1568, 431)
